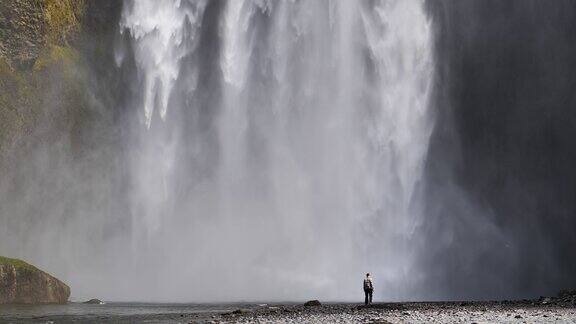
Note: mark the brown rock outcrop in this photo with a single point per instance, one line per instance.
(22, 283)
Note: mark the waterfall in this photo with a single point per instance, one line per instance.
(279, 144)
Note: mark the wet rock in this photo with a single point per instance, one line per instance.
(314, 302)
(94, 301)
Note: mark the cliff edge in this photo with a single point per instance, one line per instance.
(22, 283)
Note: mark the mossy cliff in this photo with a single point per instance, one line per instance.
(37, 53)
(44, 75)
(58, 133)
(62, 19)
(22, 283)
(28, 26)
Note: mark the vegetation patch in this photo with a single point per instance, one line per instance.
(62, 56)
(18, 264)
(15, 95)
(62, 19)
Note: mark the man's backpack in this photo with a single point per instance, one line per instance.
(368, 284)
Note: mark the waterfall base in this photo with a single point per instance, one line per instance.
(537, 311)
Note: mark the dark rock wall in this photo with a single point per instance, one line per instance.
(502, 183)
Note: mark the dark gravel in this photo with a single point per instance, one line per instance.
(561, 309)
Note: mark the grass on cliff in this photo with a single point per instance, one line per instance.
(53, 55)
(14, 96)
(19, 264)
(63, 19)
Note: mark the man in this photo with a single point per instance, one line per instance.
(368, 289)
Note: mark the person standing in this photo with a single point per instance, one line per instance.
(368, 289)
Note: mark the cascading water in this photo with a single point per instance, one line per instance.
(280, 144)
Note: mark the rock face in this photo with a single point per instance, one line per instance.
(314, 302)
(94, 301)
(26, 26)
(22, 283)
(46, 50)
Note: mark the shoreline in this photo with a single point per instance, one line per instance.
(543, 310)
(534, 311)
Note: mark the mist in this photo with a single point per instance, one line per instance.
(279, 150)
(499, 178)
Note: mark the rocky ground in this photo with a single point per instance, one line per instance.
(561, 309)
(406, 313)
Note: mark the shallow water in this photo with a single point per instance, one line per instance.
(532, 311)
(112, 312)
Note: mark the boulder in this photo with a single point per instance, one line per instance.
(314, 302)
(94, 301)
(22, 283)
(236, 312)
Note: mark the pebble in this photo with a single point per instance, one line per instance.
(406, 313)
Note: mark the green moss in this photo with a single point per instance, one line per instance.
(27, 93)
(52, 55)
(14, 82)
(19, 264)
(62, 19)
(11, 99)
(63, 103)
(5, 70)
(53, 91)
(10, 80)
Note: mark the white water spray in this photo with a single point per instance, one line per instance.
(290, 166)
